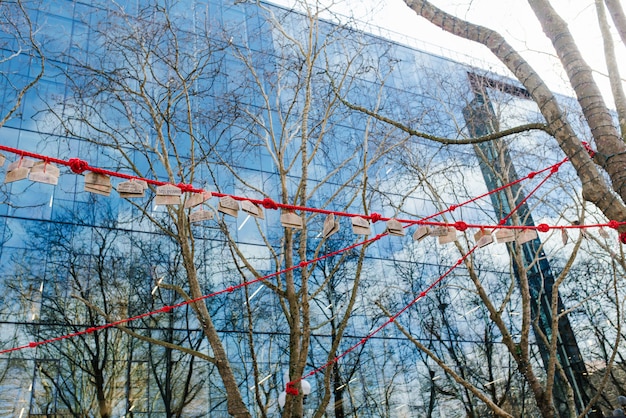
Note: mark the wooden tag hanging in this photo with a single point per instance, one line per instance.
(564, 236)
(168, 194)
(19, 173)
(483, 238)
(18, 170)
(505, 235)
(331, 226)
(194, 199)
(603, 233)
(526, 235)
(98, 183)
(291, 220)
(394, 227)
(449, 237)
(22, 162)
(361, 226)
(2, 159)
(43, 172)
(252, 209)
(421, 233)
(439, 231)
(200, 215)
(132, 188)
(228, 206)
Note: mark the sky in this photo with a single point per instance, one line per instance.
(514, 19)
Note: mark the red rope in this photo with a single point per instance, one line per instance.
(166, 309)
(79, 166)
(389, 321)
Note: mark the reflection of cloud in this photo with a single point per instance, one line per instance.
(257, 255)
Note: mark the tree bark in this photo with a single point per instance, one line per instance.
(599, 119)
(618, 16)
(236, 406)
(611, 64)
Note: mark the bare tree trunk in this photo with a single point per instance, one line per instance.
(611, 64)
(599, 119)
(236, 406)
(618, 16)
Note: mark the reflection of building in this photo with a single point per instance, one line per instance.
(498, 169)
(61, 242)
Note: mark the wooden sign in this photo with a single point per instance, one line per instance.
(167, 194)
(331, 225)
(394, 227)
(229, 206)
(43, 172)
(483, 238)
(505, 235)
(98, 183)
(449, 237)
(196, 199)
(252, 209)
(18, 170)
(291, 220)
(132, 189)
(439, 231)
(361, 226)
(22, 162)
(421, 233)
(19, 173)
(200, 215)
(526, 235)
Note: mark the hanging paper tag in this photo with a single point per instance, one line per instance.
(131, 189)
(200, 215)
(2, 159)
(483, 238)
(228, 206)
(394, 227)
(421, 233)
(564, 236)
(167, 194)
(361, 226)
(505, 235)
(450, 236)
(43, 172)
(98, 183)
(331, 226)
(252, 209)
(526, 235)
(195, 199)
(291, 220)
(603, 233)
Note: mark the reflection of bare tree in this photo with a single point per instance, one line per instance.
(90, 274)
(19, 46)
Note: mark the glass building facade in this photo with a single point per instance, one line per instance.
(251, 100)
